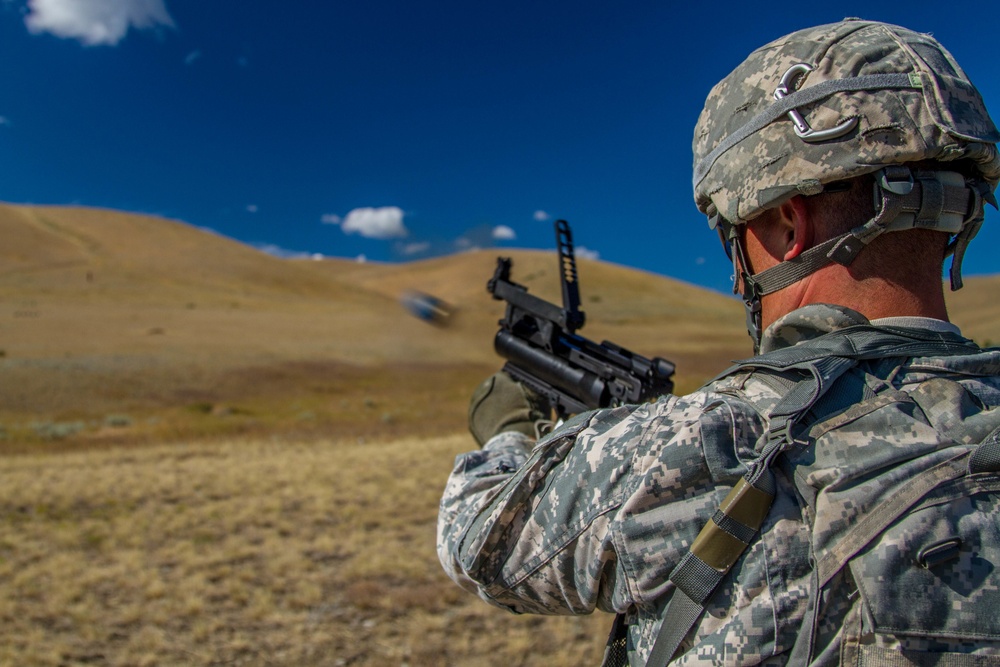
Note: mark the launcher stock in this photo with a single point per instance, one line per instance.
(539, 341)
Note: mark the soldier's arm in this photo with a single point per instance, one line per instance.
(565, 528)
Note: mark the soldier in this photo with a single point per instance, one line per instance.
(834, 499)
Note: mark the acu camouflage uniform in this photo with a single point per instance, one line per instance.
(599, 513)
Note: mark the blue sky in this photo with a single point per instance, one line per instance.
(397, 130)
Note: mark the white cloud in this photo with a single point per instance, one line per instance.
(411, 249)
(95, 22)
(541, 216)
(330, 219)
(504, 233)
(191, 57)
(586, 253)
(4, 121)
(385, 222)
(251, 208)
(283, 253)
(465, 244)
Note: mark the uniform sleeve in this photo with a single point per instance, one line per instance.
(596, 515)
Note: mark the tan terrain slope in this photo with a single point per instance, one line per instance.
(279, 513)
(109, 319)
(976, 309)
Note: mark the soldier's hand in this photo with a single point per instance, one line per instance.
(501, 404)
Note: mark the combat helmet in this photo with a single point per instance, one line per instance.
(831, 103)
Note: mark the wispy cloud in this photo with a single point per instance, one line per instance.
(4, 121)
(331, 219)
(411, 249)
(586, 253)
(504, 233)
(385, 222)
(480, 236)
(541, 216)
(95, 22)
(252, 208)
(191, 57)
(284, 253)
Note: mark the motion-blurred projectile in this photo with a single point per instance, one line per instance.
(427, 307)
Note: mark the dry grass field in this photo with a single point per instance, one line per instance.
(117, 326)
(211, 456)
(248, 552)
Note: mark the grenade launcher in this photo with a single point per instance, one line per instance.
(539, 341)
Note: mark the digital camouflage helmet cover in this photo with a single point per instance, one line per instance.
(832, 103)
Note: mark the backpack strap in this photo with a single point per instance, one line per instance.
(986, 457)
(718, 546)
(983, 459)
(727, 535)
(878, 518)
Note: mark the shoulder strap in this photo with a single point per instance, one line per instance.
(727, 535)
(859, 342)
(982, 461)
(984, 458)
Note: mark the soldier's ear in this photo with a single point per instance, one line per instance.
(798, 229)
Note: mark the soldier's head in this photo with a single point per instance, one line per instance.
(821, 119)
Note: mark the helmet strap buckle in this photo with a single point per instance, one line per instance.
(897, 179)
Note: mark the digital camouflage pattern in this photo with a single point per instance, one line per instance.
(937, 114)
(598, 514)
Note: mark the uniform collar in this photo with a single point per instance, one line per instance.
(816, 319)
(806, 323)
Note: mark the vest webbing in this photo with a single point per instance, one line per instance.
(820, 362)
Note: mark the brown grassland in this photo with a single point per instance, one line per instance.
(259, 551)
(210, 456)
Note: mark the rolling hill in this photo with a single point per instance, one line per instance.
(103, 312)
(282, 513)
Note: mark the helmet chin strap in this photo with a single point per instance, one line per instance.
(744, 283)
(938, 200)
